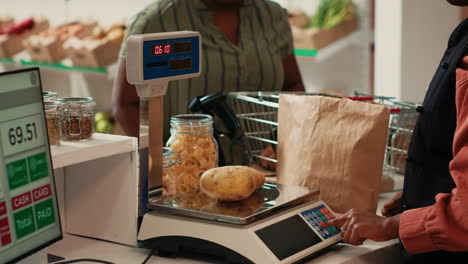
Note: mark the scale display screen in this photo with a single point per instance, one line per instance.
(170, 57)
(29, 217)
(288, 237)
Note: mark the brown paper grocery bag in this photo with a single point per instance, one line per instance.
(334, 145)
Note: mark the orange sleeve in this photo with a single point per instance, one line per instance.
(444, 225)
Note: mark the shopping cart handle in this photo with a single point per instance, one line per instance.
(361, 98)
(216, 104)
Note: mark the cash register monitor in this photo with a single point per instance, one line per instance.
(29, 219)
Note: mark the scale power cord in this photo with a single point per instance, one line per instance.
(84, 260)
(102, 261)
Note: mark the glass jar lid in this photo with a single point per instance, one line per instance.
(48, 96)
(191, 123)
(53, 106)
(78, 102)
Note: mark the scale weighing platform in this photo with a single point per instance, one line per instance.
(276, 224)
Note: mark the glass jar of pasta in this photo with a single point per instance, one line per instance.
(170, 158)
(192, 138)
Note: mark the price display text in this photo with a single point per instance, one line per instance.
(22, 134)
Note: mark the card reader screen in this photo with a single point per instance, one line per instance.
(288, 237)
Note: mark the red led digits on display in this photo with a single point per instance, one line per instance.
(161, 49)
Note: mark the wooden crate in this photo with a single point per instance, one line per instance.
(12, 44)
(319, 38)
(5, 22)
(92, 53)
(50, 48)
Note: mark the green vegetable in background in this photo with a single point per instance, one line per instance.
(331, 13)
(103, 122)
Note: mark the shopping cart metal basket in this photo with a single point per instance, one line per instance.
(258, 114)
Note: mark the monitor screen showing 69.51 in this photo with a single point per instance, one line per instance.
(29, 218)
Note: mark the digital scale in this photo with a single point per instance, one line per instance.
(276, 224)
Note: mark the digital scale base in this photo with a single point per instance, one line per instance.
(289, 236)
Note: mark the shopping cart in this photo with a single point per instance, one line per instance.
(258, 114)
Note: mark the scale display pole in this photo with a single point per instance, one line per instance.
(152, 61)
(156, 128)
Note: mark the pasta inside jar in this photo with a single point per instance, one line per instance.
(192, 138)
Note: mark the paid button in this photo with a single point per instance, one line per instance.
(44, 213)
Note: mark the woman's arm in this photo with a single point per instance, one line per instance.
(292, 76)
(125, 102)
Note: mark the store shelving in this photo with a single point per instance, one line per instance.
(62, 66)
(330, 50)
(99, 177)
(22, 60)
(100, 146)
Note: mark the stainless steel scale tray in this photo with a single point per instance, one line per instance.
(265, 201)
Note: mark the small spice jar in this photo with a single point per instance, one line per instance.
(78, 118)
(170, 158)
(49, 96)
(192, 138)
(54, 114)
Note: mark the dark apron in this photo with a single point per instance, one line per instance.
(427, 170)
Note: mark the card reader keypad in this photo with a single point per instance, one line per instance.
(317, 215)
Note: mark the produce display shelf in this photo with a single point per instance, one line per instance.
(305, 52)
(60, 66)
(330, 50)
(100, 146)
(7, 60)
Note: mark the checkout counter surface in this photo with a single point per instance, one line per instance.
(75, 247)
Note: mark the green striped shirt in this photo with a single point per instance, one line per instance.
(255, 64)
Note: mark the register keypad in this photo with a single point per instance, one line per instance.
(320, 214)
